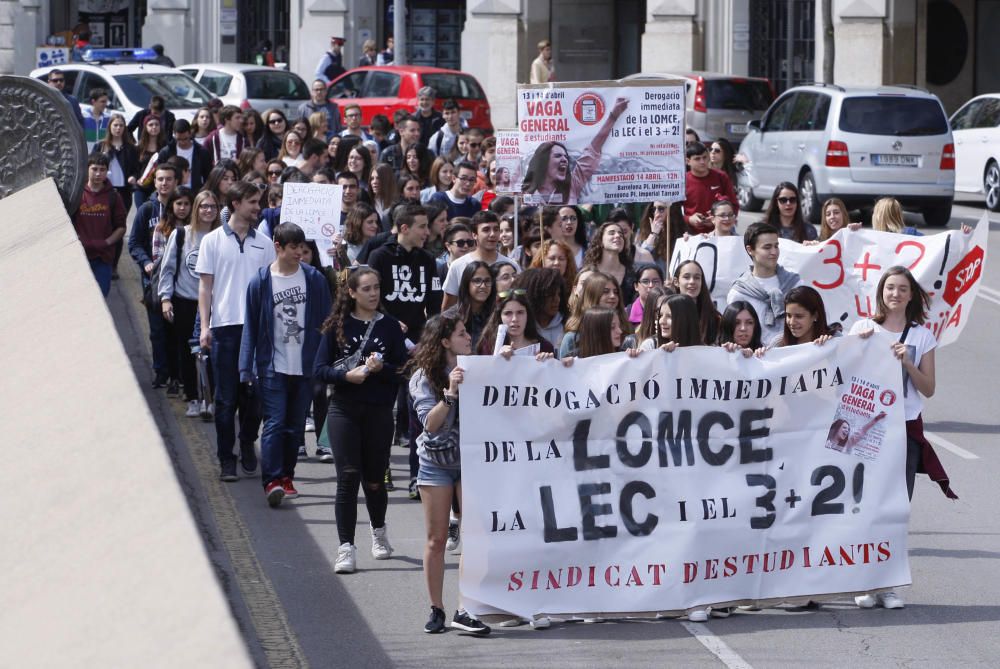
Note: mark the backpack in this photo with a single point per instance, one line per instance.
(150, 290)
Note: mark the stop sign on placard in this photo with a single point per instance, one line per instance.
(963, 276)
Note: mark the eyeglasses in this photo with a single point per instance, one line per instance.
(788, 200)
(275, 121)
(467, 179)
(480, 281)
(354, 115)
(651, 282)
(517, 292)
(464, 243)
(274, 173)
(206, 205)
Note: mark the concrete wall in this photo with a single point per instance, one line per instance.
(312, 23)
(671, 42)
(103, 559)
(491, 40)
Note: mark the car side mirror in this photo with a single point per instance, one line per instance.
(754, 124)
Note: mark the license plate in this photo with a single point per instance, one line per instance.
(736, 128)
(895, 160)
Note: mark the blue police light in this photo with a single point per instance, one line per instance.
(91, 55)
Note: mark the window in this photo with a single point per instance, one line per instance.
(966, 116)
(383, 85)
(275, 85)
(349, 86)
(178, 90)
(216, 82)
(808, 113)
(893, 115)
(752, 95)
(458, 86)
(989, 114)
(89, 81)
(778, 116)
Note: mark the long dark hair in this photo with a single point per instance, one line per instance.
(727, 329)
(464, 293)
(809, 299)
(345, 305)
(542, 282)
(835, 428)
(354, 223)
(215, 176)
(916, 308)
(594, 336)
(386, 184)
(596, 249)
(168, 222)
(708, 315)
(683, 321)
(647, 327)
(538, 169)
(106, 146)
(489, 336)
(728, 166)
(550, 217)
(773, 213)
(430, 356)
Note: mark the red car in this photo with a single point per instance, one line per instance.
(384, 89)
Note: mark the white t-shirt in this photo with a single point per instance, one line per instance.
(289, 304)
(233, 264)
(767, 333)
(454, 278)
(227, 144)
(919, 340)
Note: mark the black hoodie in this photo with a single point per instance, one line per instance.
(411, 289)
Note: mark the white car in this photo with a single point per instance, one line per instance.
(247, 86)
(130, 86)
(976, 128)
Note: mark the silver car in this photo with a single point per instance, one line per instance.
(720, 105)
(249, 86)
(857, 144)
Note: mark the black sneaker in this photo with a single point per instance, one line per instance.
(435, 624)
(248, 459)
(464, 621)
(228, 471)
(173, 388)
(389, 485)
(160, 380)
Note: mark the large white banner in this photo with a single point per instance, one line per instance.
(316, 209)
(602, 141)
(684, 479)
(846, 270)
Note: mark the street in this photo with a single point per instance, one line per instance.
(276, 566)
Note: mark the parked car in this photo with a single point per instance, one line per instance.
(384, 89)
(976, 128)
(251, 86)
(858, 144)
(130, 86)
(720, 105)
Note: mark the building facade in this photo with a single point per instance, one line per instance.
(942, 45)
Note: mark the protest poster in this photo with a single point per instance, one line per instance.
(508, 174)
(316, 209)
(846, 269)
(601, 141)
(680, 480)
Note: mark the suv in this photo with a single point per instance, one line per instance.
(130, 87)
(384, 89)
(857, 144)
(720, 105)
(247, 86)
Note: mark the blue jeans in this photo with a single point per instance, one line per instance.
(284, 401)
(102, 272)
(230, 394)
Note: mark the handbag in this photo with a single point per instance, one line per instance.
(441, 448)
(349, 362)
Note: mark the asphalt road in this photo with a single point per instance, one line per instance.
(277, 565)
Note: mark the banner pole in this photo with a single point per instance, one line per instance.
(517, 208)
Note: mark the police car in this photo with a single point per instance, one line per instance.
(131, 79)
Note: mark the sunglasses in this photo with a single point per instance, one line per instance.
(517, 292)
(57, 81)
(788, 200)
(715, 149)
(262, 187)
(274, 173)
(464, 243)
(275, 121)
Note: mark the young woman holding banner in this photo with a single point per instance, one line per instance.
(676, 324)
(900, 309)
(805, 319)
(740, 329)
(689, 279)
(434, 389)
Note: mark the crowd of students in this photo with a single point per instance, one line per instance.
(428, 267)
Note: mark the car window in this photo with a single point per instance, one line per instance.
(216, 82)
(275, 85)
(989, 114)
(892, 115)
(89, 81)
(179, 91)
(459, 86)
(809, 112)
(965, 117)
(778, 115)
(382, 85)
(737, 94)
(349, 86)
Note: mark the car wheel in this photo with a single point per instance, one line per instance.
(744, 194)
(991, 186)
(937, 216)
(808, 200)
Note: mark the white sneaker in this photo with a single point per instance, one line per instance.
(890, 600)
(454, 536)
(194, 409)
(381, 550)
(347, 557)
(310, 424)
(698, 615)
(865, 601)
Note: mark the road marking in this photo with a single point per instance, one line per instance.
(989, 294)
(948, 446)
(716, 646)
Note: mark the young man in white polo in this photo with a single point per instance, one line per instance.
(228, 260)
(486, 227)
